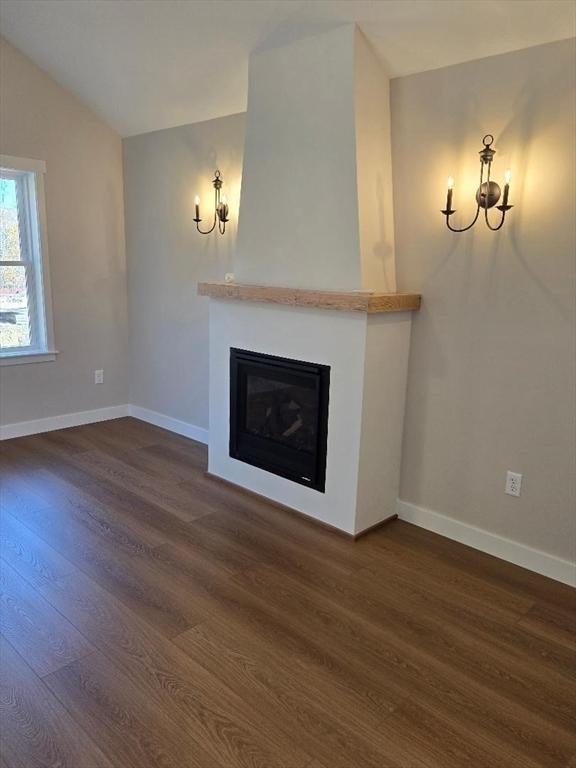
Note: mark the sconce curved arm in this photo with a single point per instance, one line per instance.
(463, 229)
(207, 232)
(502, 208)
(475, 219)
(499, 226)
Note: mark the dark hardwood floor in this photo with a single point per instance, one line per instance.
(153, 618)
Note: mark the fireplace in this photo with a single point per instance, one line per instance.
(268, 415)
(279, 415)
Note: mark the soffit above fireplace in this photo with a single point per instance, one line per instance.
(370, 302)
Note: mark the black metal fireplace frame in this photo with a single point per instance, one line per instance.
(299, 466)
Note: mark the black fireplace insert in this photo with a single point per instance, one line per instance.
(279, 415)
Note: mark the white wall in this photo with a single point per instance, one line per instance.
(85, 222)
(167, 257)
(492, 369)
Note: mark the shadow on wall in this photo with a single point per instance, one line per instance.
(536, 191)
(521, 146)
(113, 268)
(383, 250)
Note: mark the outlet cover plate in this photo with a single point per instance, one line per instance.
(513, 483)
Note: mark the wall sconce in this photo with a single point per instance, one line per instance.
(220, 208)
(487, 194)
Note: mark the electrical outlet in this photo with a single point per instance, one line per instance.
(513, 483)
(99, 376)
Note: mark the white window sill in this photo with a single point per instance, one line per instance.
(20, 358)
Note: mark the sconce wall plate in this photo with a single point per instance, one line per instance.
(220, 208)
(487, 194)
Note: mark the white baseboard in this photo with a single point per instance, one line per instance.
(36, 426)
(491, 543)
(167, 422)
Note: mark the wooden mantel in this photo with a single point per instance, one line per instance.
(348, 301)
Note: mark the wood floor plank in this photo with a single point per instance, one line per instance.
(402, 670)
(163, 460)
(243, 548)
(123, 433)
(38, 632)
(181, 444)
(438, 684)
(133, 433)
(490, 569)
(142, 587)
(450, 743)
(267, 684)
(419, 618)
(50, 490)
(442, 576)
(274, 683)
(212, 712)
(15, 492)
(36, 731)
(496, 628)
(39, 487)
(42, 452)
(163, 494)
(291, 528)
(229, 633)
(102, 518)
(127, 726)
(228, 554)
(552, 623)
(29, 555)
(264, 545)
(133, 510)
(263, 616)
(404, 584)
(63, 442)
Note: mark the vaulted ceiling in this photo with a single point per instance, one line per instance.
(143, 65)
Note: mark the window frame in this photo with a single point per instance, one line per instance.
(29, 177)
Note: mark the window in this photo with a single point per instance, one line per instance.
(25, 313)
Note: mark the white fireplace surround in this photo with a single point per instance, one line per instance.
(366, 407)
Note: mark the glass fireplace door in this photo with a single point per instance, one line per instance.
(279, 415)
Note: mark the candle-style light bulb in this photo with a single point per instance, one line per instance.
(197, 207)
(223, 208)
(507, 178)
(449, 195)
